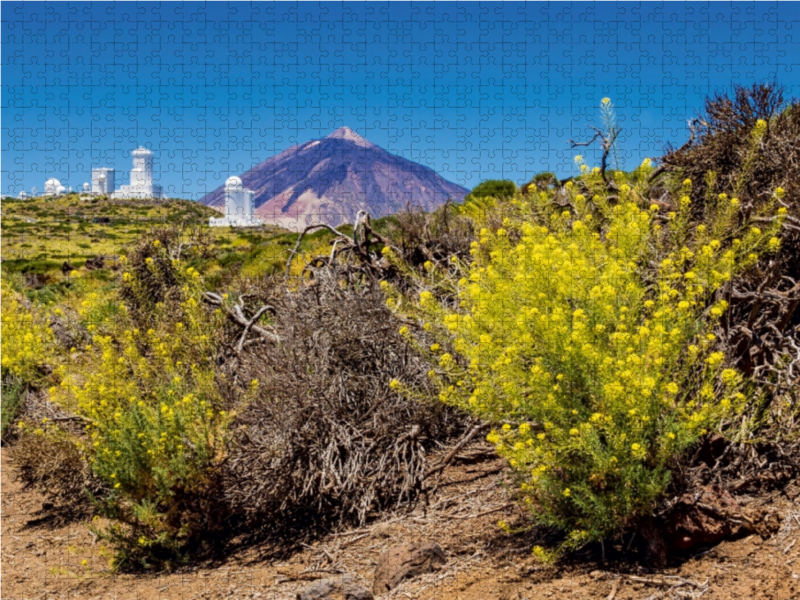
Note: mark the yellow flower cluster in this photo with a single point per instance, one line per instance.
(567, 326)
(26, 341)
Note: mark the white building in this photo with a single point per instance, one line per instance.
(103, 181)
(141, 185)
(238, 206)
(53, 187)
(23, 195)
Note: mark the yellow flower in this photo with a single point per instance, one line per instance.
(394, 384)
(606, 101)
(574, 431)
(635, 447)
(567, 492)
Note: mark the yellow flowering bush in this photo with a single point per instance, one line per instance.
(157, 425)
(26, 339)
(587, 331)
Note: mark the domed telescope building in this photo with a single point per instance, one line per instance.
(141, 185)
(238, 206)
(53, 187)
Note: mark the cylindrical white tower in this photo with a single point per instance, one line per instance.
(238, 201)
(142, 173)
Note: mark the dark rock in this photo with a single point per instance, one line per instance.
(96, 262)
(712, 448)
(404, 562)
(337, 588)
(702, 517)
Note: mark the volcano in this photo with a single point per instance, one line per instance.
(330, 180)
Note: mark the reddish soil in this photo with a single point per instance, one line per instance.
(43, 561)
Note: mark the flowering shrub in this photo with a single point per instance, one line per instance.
(26, 339)
(156, 422)
(587, 333)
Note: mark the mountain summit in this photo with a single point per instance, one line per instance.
(331, 179)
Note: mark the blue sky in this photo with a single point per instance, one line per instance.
(473, 90)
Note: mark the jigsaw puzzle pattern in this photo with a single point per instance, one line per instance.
(471, 91)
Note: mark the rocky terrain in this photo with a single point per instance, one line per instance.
(451, 549)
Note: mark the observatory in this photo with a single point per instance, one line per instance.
(238, 206)
(103, 181)
(53, 187)
(141, 185)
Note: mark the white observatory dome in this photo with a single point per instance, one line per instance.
(234, 183)
(53, 187)
(141, 151)
(86, 187)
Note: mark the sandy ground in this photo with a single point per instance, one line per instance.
(42, 561)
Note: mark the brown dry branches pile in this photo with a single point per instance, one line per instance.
(327, 440)
(414, 237)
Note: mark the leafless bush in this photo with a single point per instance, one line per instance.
(49, 461)
(327, 440)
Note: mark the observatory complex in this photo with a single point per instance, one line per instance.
(141, 185)
(238, 206)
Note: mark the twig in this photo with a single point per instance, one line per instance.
(484, 513)
(614, 590)
(302, 235)
(450, 455)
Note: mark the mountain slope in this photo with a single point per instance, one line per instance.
(330, 180)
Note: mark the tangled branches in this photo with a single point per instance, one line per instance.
(327, 439)
(421, 237)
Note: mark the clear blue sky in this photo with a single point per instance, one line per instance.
(473, 90)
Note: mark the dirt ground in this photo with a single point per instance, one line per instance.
(42, 560)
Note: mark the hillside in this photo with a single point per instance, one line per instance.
(331, 179)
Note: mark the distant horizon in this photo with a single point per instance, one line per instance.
(494, 93)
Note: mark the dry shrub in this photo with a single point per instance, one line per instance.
(327, 441)
(435, 236)
(47, 458)
(150, 282)
(761, 331)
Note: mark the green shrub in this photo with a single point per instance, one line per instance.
(586, 333)
(157, 423)
(494, 188)
(13, 390)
